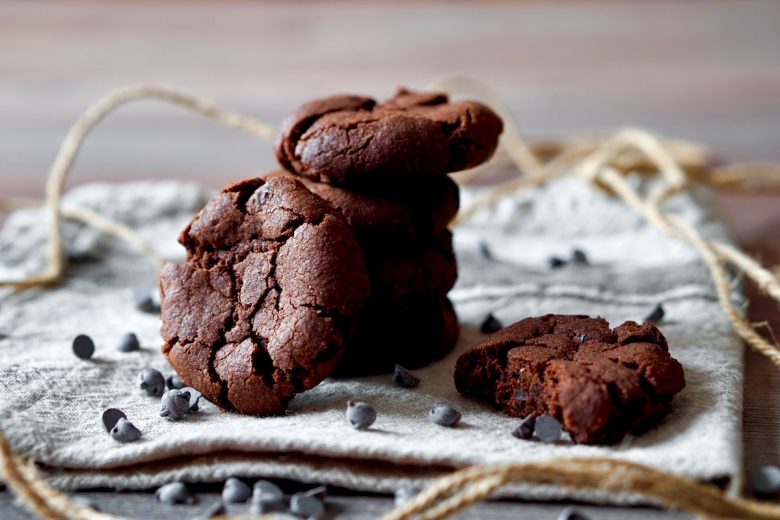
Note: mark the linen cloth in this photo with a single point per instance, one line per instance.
(52, 401)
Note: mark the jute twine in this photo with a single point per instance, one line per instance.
(601, 161)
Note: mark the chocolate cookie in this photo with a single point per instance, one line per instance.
(265, 304)
(412, 333)
(425, 271)
(351, 140)
(392, 213)
(599, 383)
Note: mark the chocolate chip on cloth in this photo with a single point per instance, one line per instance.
(267, 299)
(600, 383)
(392, 213)
(350, 140)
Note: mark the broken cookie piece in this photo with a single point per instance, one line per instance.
(598, 382)
(266, 302)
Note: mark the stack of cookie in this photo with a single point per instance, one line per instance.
(384, 167)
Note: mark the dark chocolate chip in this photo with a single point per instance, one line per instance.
(306, 506)
(444, 415)
(174, 493)
(360, 415)
(656, 315)
(490, 325)
(125, 431)
(765, 480)
(578, 257)
(404, 378)
(547, 428)
(555, 263)
(525, 430)
(129, 343)
(174, 382)
(571, 513)
(83, 346)
(111, 416)
(235, 491)
(152, 382)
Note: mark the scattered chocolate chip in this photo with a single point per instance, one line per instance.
(111, 416)
(404, 378)
(656, 315)
(152, 382)
(266, 497)
(444, 415)
(525, 430)
(547, 428)
(148, 300)
(578, 257)
(485, 252)
(129, 343)
(235, 491)
(125, 431)
(320, 492)
(555, 263)
(306, 506)
(765, 480)
(360, 415)
(174, 382)
(83, 346)
(571, 513)
(174, 493)
(194, 398)
(175, 404)
(404, 495)
(490, 325)
(86, 502)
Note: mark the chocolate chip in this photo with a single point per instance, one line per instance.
(656, 315)
(765, 480)
(83, 346)
(125, 431)
(152, 382)
(111, 416)
(555, 263)
(444, 415)
(306, 506)
(525, 430)
(266, 497)
(578, 257)
(194, 398)
(174, 382)
(129, 343)
(174, 493)
(571, 514)
(490, 325)
(175, 404)
(485, 252)
(404, 378)
(360, 415)
(148, 300)
(235, 491)
(547, 428)
(404, 495)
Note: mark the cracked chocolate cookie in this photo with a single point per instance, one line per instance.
(411, 333)
(351, 140)
(600, 383)
(266, 302)
(397, 214)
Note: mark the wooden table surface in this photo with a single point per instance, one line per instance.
(702, 70)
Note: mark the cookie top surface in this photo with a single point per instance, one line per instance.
(392, 215)
(263, 307)
(599, 382)
(352, 140)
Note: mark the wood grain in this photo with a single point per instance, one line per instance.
(707, 71)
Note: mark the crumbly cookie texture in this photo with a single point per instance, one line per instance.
(599, 382)
(267, 299)
(352, 140)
